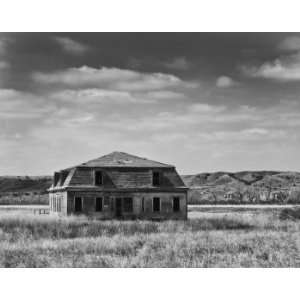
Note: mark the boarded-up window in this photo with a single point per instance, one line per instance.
(155, 178)
(176, 204)
(78, 204)
(98, 204)
(98, 178)
(156, 204)
(128, 205)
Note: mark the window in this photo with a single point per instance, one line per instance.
(155, 178)
(56, 178)
(128, 204)
(156, 204)
(176, 204)
(98, 178)
(78, 204)
(98, 204)
(63, 176)
(143, 204)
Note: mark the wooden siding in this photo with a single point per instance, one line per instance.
(60, 197)
(122, 178)
(82, 177)
(108, 212)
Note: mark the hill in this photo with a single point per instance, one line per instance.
(244, 187)
(24, 183)
(24, 189)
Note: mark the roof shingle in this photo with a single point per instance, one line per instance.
(122, 159)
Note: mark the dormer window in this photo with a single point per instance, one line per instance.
(98, 178)
(56, 178)
(155, 178)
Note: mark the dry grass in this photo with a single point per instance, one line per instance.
(228, 239)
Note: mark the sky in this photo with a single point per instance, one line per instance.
(201, 101)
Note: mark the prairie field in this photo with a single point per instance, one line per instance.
(223, 237)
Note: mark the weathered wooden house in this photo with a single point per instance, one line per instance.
(119, 185)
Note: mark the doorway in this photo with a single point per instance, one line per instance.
(118, 207)
(78, 204)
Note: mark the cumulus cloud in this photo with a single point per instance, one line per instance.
(95, 95)
(225, 82)
(20, 105)
(110, 78)
(71, 46)
(164, 95)
(291, 43)
(178, 63)
(284, 68)
(205, 108)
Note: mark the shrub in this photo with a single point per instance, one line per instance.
(290, 213)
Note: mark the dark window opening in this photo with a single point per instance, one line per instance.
(78, 204)
(155, 178)
(143, 204)
(156, 204)
(98, 204)
(98, 178)
(128, 204)
(56, 178)
(63, 176)
(176, 204)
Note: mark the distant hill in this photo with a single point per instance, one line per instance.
(25, 183)
(245, 177)
(244, 187)
(22, 190)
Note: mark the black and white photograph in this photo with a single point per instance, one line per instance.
(176, 150)
(149, 150)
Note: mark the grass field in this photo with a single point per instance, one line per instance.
(212, 238)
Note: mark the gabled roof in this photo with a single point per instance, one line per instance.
(122, 159)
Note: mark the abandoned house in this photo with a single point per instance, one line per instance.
(119, 185)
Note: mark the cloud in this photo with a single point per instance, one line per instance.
(225, 82)
(178, 63)
(94, 95)
(110, 78)
(4, 65)
(284, 68)
(20, 105)
(71, 46)
(205, 108)
(164, 95)
(287, 69)
(291, 43)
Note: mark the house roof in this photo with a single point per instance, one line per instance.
(122, 159)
